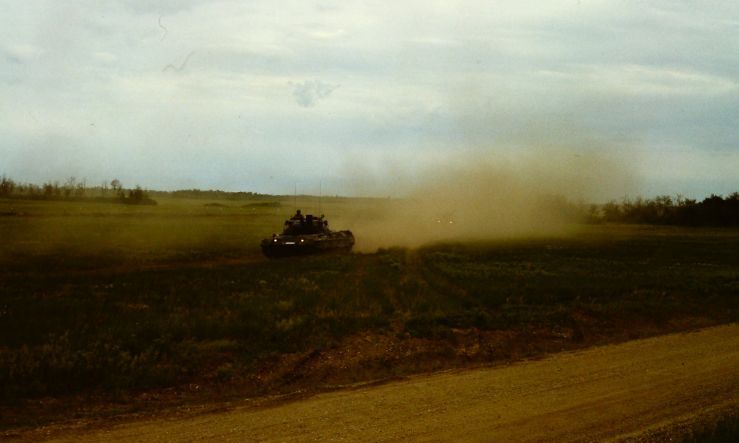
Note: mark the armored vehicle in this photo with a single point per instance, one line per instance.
(303, 235)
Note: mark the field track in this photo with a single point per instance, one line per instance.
(607, 393)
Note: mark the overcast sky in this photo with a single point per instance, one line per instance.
(263, 95)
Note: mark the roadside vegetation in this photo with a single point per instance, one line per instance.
(720, 426)
(119, 303)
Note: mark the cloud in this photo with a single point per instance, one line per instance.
(418, 79)
(642, 80)
(161, 7)
(308, 93)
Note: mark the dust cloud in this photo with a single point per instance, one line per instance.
(484, 197)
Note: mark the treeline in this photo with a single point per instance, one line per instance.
(210, 194)
(664, 210)
(74, 190)
(48, 190)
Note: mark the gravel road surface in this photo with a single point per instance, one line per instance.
(607, 393)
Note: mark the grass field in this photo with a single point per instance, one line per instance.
(120, 303)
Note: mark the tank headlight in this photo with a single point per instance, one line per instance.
(274, 239)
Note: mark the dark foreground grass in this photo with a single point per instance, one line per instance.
(721, 430)
(720, 426)
(84, 325)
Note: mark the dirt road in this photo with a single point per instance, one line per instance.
(602, 394)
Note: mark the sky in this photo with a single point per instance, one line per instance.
(360, 98)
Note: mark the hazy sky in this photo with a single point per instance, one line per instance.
(261, 95)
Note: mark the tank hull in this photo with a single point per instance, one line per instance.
(288, 246)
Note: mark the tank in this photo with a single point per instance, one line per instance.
(306, 235)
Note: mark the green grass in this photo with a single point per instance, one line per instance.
(100, 298)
